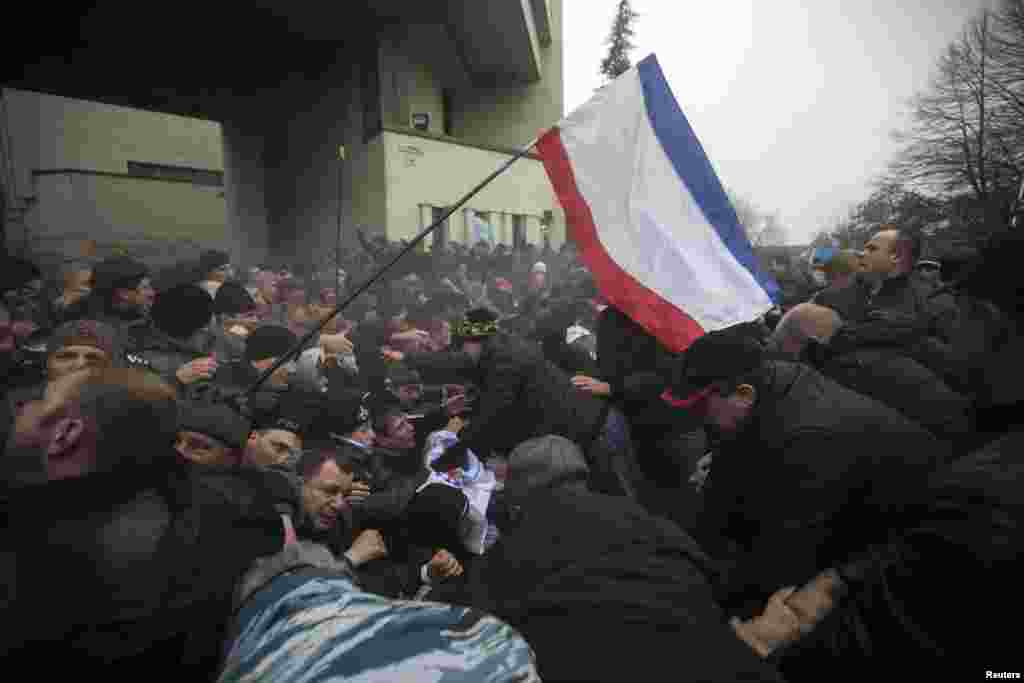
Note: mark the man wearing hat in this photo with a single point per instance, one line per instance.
(523, 396)
(279, 425)
(211, 434)
(806, 471)
(263, 348)
(175, 343)
(215, 269)
(122, 293)
(81, 344)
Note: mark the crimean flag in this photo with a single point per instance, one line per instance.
(649, 215)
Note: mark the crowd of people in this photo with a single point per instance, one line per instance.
(483, 470)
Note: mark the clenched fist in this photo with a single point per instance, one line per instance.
(197, 370)
(443, 565)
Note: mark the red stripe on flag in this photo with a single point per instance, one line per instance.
(671, 326)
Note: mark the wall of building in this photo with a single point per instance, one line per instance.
(139, 216)
(244, 149)
(99, 200)
(511, 115)
(408, 84)
(312, 117)
(422, 172)
(50, 132)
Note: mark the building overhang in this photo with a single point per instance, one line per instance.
(500, 40)
(194, 59)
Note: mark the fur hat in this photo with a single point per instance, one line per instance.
(182, 311)
(216, 420)
(232, 298)
(118, 272)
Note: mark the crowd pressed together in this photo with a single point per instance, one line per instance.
(481, 470)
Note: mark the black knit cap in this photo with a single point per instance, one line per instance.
(344, 411)
(212, 260)
(232, 299)
(434, 517)
(215, 420)
(268, 341)
(293, 411)
(16, 273)
(716, 357)
(181, 311)
(118, 272)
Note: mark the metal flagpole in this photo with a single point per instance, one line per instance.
(383, 269)
(337, 248)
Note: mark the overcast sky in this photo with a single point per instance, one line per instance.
(793, 100)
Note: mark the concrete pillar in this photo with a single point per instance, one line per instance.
(245, 190)
(282, 167)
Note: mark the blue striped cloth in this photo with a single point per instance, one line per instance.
(302, 629)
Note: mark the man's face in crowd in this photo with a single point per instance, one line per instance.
(730, 413)
(221, 273)
(272, 447)
(409, 394)
(52, 432)
(399, 427)
(74, 358)
(880, 254)
(202, 449)
(323, 494)
(474, 349)
(141, 298)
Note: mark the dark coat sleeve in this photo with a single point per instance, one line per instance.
(441, 368)
(491, 427)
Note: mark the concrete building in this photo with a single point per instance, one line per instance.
(426, 99)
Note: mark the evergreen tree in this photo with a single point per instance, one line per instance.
(619, 43)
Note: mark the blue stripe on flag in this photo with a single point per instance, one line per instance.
(691, 163)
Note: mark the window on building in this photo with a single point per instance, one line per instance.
(196, 176)
(518, 231)
(448, 105)
(441, 233)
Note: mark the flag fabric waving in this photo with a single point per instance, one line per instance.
(649, 215)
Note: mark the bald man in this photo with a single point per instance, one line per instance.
(899, 313)
(805, 333)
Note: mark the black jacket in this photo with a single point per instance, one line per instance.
(820, 471)
(637, 367)
(522, 396)
(602, 590)
(901, 315)
(968, 531)
(139, 564)
(904, 384)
